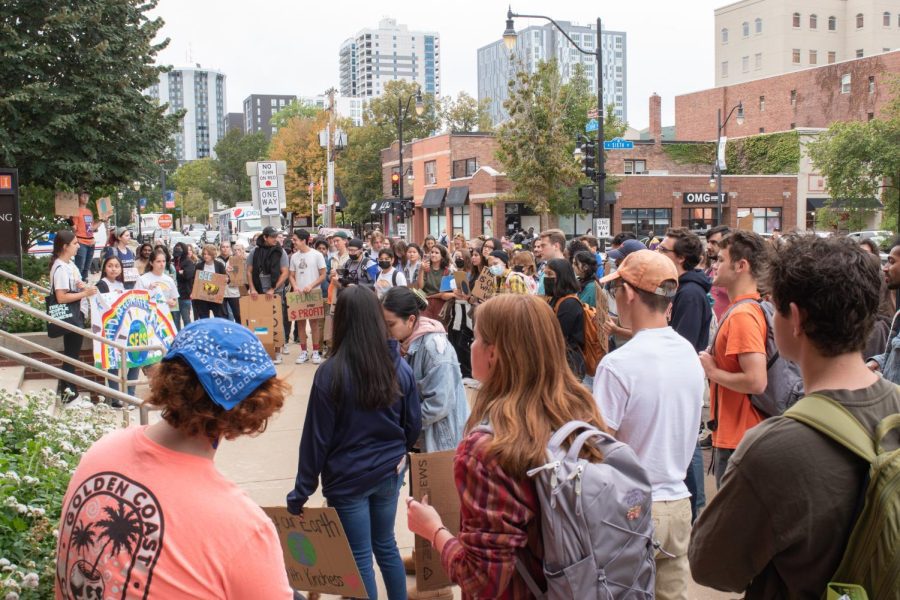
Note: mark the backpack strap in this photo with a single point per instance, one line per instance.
(529, 580)
(559, 303)
(887, 425)
(565, 431)
(394, 278)
(834, 421)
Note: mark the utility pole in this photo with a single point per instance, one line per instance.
(329, 131)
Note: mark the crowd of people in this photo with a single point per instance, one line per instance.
(667, 346)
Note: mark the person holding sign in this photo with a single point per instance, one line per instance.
(111, 282)
(307, 273)
(231, 306)
(525, 397)
(84, 225)
(68, 288)
(362, 418)
(164, 521)
(210, 264)
(431, 276)
(185, 268)
(156, 278)
(118, 247)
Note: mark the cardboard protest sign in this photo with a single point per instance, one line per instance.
(484, 286)
(134, 318)
(209, 287)
(462, 282)
(317, 555)
(445, 283)
(238, 271)
(66, 204)
(302, 307)
(432, 473)
(104, 208)
(263, 317)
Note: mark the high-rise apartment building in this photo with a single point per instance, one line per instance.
(201, 93)
(350, 108)
(259, 109)
(496, 65)
(761, 38)
(391, 52)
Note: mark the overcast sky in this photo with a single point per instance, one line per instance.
(291, 46)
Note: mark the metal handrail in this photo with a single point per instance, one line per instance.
(24, 282)
(93, 386)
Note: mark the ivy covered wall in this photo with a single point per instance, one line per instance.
(772, 154)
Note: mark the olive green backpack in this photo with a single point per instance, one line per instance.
(870, 567)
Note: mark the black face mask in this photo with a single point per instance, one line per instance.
(549, 286)
(460, 263)
(354, 256)
(384, 264)
(177, 252)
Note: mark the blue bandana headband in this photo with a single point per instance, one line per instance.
(228, 358)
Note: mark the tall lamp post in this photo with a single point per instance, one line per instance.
(720, 156)
(601, 210)
(402, 113)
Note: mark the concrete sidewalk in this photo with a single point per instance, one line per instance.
(265, 466)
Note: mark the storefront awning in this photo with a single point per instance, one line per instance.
(457, 195)
(434, 198)
(814, 204)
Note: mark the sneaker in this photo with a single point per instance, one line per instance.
(316, 357)
(304, 356)
(285, 350)
(277, 360)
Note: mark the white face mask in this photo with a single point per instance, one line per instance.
(497, 270)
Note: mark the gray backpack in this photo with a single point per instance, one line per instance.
(596, 525)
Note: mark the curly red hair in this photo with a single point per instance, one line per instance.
(174, 387)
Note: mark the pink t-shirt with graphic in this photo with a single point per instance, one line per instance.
(143, 521)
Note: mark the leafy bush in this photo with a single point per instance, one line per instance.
(38, 454)
(36, 269)
(15, 321)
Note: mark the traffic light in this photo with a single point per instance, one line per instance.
(588, 157)
(586, 195)
(395, 185)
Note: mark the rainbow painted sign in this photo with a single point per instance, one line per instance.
(134, 318)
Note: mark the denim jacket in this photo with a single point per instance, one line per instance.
(889, 361)
(443, 398)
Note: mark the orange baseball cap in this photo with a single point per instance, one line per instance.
(646, 270)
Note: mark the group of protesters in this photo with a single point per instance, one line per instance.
(683, 331)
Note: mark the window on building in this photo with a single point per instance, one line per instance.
(793, 97)
(460, 221)
(635, 166)
(795, 20)
(793, 125)
(832, 57)
(845, 83)
(762, 129)
(795, 57)
(870, 116)
(762, 104)
(757, 61)
(724, 68)
(437, 220)
(859, 53)
(860, 20)
(813, 21)
(764, 219)
(832, 23)
(724, 35)
(758, 23)
(871, 84)
(745, 63)
(745, 29)
(813, 57)
(698, 218)
(464, 168)
(430, 172)
(487, 220)
(641, 221)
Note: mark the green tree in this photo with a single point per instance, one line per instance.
(297, 143)
(465, 114)
(231, 183)
(861, 161)
(195, 183)
(295, 109)
(72, 110)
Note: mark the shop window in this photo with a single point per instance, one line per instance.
(644, 221)
(700, 219)
(764, 219)
(460, 216)
(487, 220)
(437, 221)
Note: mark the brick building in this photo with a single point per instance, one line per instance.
(853, 90)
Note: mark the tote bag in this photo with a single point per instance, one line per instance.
(69, 312)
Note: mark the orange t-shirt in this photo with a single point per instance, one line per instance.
(84, 225)
(743, 332)
(143, 521)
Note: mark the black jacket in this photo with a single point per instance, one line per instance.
(184, 277)
(691, 310)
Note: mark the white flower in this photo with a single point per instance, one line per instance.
(11, 502)
(4, 562)
(30, 480)
(12, 596)
(30, 580)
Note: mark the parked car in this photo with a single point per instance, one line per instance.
(879, 236)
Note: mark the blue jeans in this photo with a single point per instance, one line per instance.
(132, 375)
(368, 521)
(696, 484)
(83, 259)
(182, 316)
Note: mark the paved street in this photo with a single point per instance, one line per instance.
(265, 466)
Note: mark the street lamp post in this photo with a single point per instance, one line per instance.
(601, 209)
(717, 169)
(402, 113)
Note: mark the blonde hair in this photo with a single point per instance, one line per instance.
(530, 392)
(211, 250)
(525, 259)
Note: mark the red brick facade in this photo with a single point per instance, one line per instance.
(808, 98)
